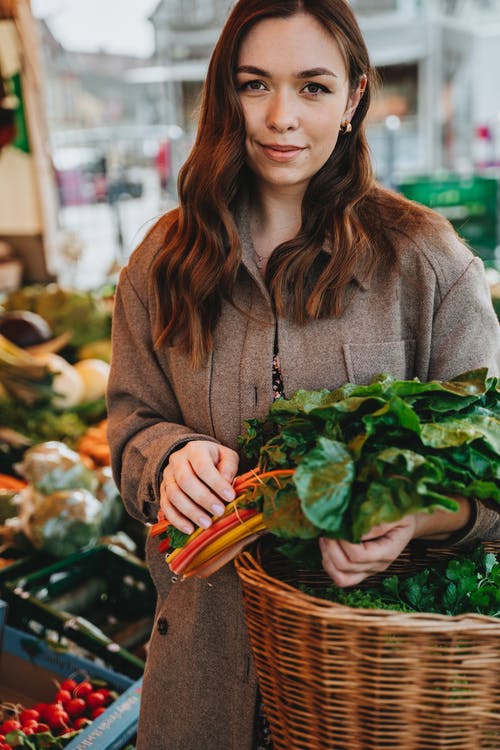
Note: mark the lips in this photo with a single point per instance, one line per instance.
(281, 153)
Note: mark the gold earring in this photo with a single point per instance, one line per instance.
(345, 127)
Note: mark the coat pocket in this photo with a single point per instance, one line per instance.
(364, 361)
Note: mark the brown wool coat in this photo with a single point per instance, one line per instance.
(433, 319)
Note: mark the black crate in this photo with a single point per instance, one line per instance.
(102, 599)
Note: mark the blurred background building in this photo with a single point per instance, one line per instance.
(120, 125)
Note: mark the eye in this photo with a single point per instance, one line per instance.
(251, 86)
(315, 89)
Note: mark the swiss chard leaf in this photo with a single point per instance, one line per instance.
(324, 481)
(368, 454)
(283, 514)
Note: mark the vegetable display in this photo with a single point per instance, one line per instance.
(337, 463)
(63, 506)
(51, 726)
(45, 397)
(85, 313)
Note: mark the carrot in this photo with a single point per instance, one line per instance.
(8, 482)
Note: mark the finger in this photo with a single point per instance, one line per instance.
(340, 554)
(344, 555)
(228, 464)
(180, 507)
(191, 486)
(200, 478)
(175, 518)
(376, 531)
(217, 470)
(383, 529)
(344, 580)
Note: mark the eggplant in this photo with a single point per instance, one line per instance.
(25, 328)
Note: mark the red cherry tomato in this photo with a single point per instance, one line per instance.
(110, 695)
(29, 724)
(75, 707)
(56, 717)
(28, 730)
(62, 696)
(42, 727)
(81, 722)
(83, 689)
(97, 712)
(29, 714)
(95, 699)
(68, 685)
(10, 725)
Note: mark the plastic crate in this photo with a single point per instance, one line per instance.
(471, 203)
(102, 599)
(21, 567)
(116, 728)
(29, 670)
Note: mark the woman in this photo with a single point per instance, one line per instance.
(285, 265)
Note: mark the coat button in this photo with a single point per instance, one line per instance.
(162, 626)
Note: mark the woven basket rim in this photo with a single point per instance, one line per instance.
(251, 571)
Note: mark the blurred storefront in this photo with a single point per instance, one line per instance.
(119, 126)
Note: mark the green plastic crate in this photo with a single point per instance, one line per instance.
(102, 599)
(21, 566)
(472, 205)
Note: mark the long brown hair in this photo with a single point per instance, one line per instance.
(197, 267)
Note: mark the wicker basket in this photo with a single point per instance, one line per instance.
(337, 678)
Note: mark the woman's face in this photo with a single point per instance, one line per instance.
(294, 90)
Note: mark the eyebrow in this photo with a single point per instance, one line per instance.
(310, 73)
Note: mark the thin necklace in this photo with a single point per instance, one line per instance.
(259, 259)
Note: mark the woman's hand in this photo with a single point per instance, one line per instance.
(348, 564)
(196, 483)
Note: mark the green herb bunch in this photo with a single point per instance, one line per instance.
(468, 583)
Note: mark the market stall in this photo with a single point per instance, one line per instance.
(76, 595)
(28, 204)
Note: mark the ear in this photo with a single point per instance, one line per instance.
(355, 98)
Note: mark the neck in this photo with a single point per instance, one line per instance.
(276, 216)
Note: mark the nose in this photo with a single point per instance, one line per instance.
(282, 114)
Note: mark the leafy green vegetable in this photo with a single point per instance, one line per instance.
(468, 583)
(324, 481)
(177, 538)
(84, 313)
(367, 454)
(41, 423)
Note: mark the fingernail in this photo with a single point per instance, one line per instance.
(187, 529)
(228, 494)
(217, 509)
(204, 522)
